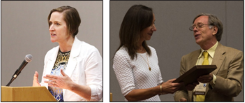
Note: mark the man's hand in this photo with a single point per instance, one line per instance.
(205, 78)
(190, 87)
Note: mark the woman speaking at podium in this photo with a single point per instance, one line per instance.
(73, 69)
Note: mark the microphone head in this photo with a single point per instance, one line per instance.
(28, 58)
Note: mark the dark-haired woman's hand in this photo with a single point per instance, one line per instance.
(170, 87)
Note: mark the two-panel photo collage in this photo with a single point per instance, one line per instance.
(122, 51)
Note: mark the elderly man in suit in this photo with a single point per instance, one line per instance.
(222, 84)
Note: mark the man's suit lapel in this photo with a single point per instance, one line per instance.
(192, 61)
(219, 57)
(194, 58)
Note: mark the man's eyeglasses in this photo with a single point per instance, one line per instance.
(199, 25)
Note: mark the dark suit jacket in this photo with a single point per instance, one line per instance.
(229, 73)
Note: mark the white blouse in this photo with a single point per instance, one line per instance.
(135, 74)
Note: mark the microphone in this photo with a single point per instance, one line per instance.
(28, 58)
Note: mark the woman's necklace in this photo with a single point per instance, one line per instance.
(147, 62)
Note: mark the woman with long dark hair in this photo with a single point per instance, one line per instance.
(136, 63)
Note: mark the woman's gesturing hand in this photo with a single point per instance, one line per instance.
(63, 81)
(35, 82)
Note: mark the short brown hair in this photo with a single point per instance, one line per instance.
(71, 17)
(214, 21)
(137, 18)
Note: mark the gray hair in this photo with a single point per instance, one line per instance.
(213, 21)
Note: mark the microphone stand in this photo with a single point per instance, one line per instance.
(17, 72)
(13, 78)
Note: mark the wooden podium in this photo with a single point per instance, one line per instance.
(39, 94)
(110, 97)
